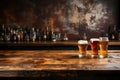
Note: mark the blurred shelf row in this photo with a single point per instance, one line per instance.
(50, 43)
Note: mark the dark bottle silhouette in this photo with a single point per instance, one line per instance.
(113, 33)
(46, 34)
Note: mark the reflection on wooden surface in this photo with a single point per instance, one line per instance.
(55, 60)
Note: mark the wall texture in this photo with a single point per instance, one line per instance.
(74, 17)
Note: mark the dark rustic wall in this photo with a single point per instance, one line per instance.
(74, 17)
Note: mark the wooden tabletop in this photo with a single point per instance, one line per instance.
(56, 60)
(45, 60)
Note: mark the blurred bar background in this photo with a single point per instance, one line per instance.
(78, 19)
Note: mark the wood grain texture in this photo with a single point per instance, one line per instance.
(54, 62)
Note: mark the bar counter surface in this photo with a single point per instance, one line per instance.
(45, 45)
(61, 63)
(50, 43)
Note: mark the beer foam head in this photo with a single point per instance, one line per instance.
(104, 39)
(94, 39)
(82, 42)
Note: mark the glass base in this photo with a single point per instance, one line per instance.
(81, 56)
(101, 56)
(94, 56)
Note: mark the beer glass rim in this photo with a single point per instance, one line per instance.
(82, 42)
(94, 39)
(103, 38)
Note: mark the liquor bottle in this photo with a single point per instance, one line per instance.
(113, 34)
(46, 34)
(7, 33)
(26, 35)
(14, 37)
(53, 36)
(33, 35)
(58, 36)
(119, 33)
(20, 34)
(49, 34)
(65, 38)
(38, 37)
(2, 33)
(11, 34)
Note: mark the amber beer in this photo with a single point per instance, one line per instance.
(94, 43)
(82, 45)
(103, 47)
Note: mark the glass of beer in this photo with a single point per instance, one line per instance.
(82, 45)
(94, 43)
(103, 47)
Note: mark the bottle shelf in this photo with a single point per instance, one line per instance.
(50, 43)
